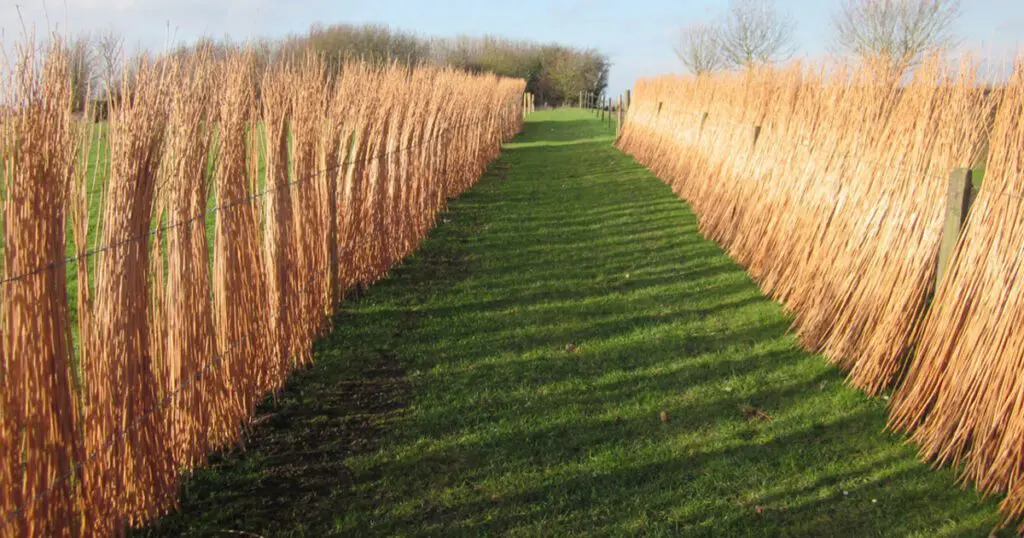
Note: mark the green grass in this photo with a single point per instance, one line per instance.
(446, 401)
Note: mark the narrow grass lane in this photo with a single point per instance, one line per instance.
(511, 378)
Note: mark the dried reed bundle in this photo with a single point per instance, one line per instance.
(372, 239)
(39, 441)
(277, 224)
(961, 399)
(188, 315)
(238, 280)
(836, 209)
(132, 476)
(356, 86)
(310, 98)
(357, 164)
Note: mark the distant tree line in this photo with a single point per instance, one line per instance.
(555, 74)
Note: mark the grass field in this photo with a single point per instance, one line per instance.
(510, 377)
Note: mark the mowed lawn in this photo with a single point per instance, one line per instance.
(567, 355)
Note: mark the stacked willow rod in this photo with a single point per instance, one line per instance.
(963, 398)
(322, 181)
(836, 210)
(38, 413)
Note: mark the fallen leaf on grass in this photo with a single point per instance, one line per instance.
(752, 412)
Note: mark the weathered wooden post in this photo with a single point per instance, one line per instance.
(620, 116)
(958, 203)
(611, 117)
(629, 99)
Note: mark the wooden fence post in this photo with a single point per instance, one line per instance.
(958, 203)
(629, 99)
(618, 119)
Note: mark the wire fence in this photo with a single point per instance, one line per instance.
(896, 167)
(219, 358)
(248, 199)
(162, 405)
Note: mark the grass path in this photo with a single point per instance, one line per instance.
(508, 379)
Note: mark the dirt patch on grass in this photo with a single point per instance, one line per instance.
(290, 468)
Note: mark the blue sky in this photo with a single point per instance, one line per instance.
(637, 35)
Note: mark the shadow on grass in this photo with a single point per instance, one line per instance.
(509, 377)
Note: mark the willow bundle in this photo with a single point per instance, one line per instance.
(431, 164)
(132, 477)
(962, 398)
(331, 154)
(357, 165)
(277, 224)
(405, 176)
(373, 240)
(355, 87)
(238, 278)
(309, 106)
(834, 202)
(39, 441)
(188, 314)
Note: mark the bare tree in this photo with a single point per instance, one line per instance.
(755, 33)
(83, 72)
(899, 31)
(698, 48)
(110, 55)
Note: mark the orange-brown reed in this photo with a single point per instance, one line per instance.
(39, 441)
(322, 181)
(836, 210)
(132, 479)
(963, 396)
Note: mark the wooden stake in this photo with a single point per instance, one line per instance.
(958, 203)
